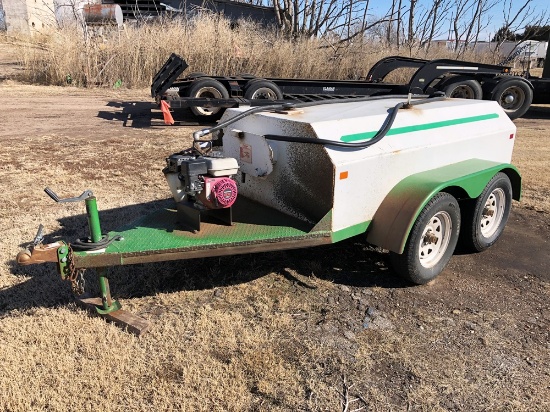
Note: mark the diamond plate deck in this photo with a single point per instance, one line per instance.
(159, 237)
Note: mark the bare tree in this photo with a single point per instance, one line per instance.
(434, 21)
(307, 18)
(424, 22)
(472, 17)
(390, 23)
(395, 23)
(412, 11)
(526, 15)
(410, 23)
(399, 23)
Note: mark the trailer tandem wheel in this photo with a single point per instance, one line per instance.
(462, 87)
(431, 242)
(262, 89)
(247, 75)
(514, 96)
(196, 75)
(484, 221)
(208, 88)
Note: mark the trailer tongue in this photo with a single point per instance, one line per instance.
(410, 175)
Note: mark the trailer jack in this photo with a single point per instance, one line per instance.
(67, 266)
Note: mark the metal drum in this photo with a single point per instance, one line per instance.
(99, 14)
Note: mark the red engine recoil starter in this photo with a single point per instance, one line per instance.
(218, 192)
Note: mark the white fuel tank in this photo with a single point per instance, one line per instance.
(308, 180)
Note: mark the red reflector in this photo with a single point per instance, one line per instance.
(512, 136)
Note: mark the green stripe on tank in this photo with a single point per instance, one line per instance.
(419, 127)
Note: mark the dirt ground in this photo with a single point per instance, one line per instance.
(325, 328)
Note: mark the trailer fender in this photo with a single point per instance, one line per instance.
(503, 79)
(397, 213)
(462, 87)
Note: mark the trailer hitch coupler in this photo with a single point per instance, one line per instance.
(38, 254)
(24, 257)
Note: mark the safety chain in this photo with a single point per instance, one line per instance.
(76, 276)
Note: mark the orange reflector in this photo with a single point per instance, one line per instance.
(343, 175)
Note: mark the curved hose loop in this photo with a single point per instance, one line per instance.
(388, 123)
(204, 132)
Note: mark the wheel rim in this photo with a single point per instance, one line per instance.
(435, 239)
(492, 213)
(264, 93)
(463, 92)
(512, 98)
(207, 92)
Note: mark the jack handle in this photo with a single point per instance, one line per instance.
(39, 236)
(36, 252)
(85, 195)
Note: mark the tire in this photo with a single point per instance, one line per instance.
(195, 75)
(462, 87)
(431, 242)
(262, 89)
(514, 96)
(484, 221)
(247, 76)
(210, 88)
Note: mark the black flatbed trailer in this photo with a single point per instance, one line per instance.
(207, 96)
(541, 85)
(541, 93)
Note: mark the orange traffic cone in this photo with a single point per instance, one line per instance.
(165, 109)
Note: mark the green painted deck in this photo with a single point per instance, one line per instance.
(159, 236)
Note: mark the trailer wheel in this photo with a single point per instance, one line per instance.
(515, 97)
(208, 88)
(462, 87)
(195, 75)
(431, 242)
(247, 76)
(484, 222)
(262, 89)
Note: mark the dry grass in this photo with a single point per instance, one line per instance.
(533, 159)
(209, 45)
(269, 332)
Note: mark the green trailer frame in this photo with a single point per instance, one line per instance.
(160, 236)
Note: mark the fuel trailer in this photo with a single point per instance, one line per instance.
(415, 176)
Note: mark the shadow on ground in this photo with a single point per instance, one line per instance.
(537, 112)
(351, 262)
(147, 115)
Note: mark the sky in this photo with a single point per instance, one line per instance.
(496, 19)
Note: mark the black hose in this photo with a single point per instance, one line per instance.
(285, 106)
(85, 243)
(360, 145)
